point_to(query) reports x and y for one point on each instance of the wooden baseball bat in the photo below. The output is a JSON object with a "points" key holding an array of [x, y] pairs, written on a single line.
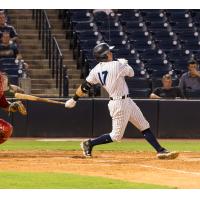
{"points": [[35, 98]]}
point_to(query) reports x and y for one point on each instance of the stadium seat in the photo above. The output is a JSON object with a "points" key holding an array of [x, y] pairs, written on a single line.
{"points": [[161, 35], [180, 65], [146, 37], [13, 79], [133, 26], [153, 16], [113, 35], [187, 35], [140, 45], [156, 26], [128, 17], [83, 16], [139, 87], [165, 45], [177, 55], [191, 45]]}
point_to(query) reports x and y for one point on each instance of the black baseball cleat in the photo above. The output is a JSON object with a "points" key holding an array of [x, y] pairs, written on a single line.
{"points": [[167, 155], [87, 148]]}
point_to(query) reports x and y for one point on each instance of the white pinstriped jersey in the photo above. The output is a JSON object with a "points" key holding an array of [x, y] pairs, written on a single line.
{"points": [[111, 76]]}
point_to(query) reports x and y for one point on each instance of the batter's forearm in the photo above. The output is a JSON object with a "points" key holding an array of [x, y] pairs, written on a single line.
{"points": [[82, 89], [79, 93]]}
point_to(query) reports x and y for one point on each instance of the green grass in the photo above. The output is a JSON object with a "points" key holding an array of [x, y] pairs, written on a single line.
{"points": [[138, 145], [19, 180], [14, 180]]}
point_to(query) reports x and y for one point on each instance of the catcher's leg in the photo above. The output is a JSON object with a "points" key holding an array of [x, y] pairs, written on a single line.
{"points": [[6, 130]]}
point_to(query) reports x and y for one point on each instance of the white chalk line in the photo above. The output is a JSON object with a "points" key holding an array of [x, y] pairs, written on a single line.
{"points": [[166, 169]]}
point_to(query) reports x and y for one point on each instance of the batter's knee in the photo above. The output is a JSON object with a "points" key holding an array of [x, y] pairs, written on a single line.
{"points": [[144, 126], [116, 135]]}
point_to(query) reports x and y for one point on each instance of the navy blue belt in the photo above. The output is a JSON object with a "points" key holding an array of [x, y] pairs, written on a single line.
{"points": [[117, 98]]}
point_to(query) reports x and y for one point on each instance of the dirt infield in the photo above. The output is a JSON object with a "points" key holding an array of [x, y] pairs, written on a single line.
{"points": [[142, 167]]}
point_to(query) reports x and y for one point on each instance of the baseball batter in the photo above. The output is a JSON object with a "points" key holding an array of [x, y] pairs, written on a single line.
{"points": [[111, 75]]}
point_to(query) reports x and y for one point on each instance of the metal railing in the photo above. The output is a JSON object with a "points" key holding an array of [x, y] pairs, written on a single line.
{"points": [[52, 51]]}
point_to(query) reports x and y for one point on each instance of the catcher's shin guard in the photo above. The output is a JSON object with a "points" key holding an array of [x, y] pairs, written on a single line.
{"points": [[6, 130]]}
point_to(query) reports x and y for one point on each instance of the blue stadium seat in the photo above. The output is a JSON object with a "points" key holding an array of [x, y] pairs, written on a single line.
{"points": [[105, 26], [180, 66], [165, 45], [187, 35], [178, 17], [137, 35], [128, 17], [122, 53], [177, 54], [140, 45], [13, 79], [133, 26], [180, 26], [156, 26], [84, 26], [86, 35], [11, 71], [7, 61], [78, 17], [140, 93], [118, 43], [145, 32], [161, 35], [191, 45], [149, 54], [113, 35], [153, 16], [102, 16], [139, 87]]}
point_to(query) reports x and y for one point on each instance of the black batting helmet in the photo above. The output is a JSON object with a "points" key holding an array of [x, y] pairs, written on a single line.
{"points": [[100, 51]]}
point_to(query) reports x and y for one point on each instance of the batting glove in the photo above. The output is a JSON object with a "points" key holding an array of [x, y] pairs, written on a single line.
{"points": [[70, 103], [123, 61]]}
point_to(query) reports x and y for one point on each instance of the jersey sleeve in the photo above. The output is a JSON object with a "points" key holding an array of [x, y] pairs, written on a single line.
{"points": [[91, 78], [126, 70]]}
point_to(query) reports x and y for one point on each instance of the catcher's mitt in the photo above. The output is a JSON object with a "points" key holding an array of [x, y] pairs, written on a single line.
{"points": [[17, 106]]}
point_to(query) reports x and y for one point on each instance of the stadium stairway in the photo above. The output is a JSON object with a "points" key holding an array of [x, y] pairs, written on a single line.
{"points": [[60, 35], [31, 49], [42, 83]]}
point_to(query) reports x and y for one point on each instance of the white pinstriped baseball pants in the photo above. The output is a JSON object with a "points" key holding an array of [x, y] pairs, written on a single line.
{"points": [[122, 111]]}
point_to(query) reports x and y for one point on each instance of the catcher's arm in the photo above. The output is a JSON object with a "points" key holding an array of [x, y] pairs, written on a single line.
{"points": [[82, 89]]}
